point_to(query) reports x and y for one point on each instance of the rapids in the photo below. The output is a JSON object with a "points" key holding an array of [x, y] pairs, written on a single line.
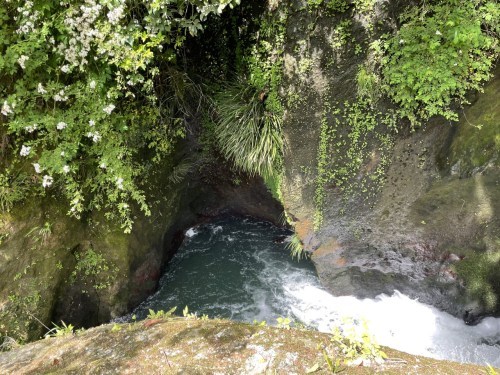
{"points": [[240, 269]]}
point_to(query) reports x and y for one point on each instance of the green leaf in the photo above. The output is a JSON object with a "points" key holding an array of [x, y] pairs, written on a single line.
{"points": [[312, 369]]}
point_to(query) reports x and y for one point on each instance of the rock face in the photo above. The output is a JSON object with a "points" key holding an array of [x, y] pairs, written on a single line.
{"points": [[430, 228], [56, 268], [187, 346]]}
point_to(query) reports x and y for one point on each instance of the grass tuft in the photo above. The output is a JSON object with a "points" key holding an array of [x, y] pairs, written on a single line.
{"points": [[247, 133]]}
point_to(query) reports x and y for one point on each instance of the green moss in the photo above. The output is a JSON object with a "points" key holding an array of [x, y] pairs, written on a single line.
{"points": [[481, 273], [273, 183], [333, 6], [37, 238], [478, 139], [353, 152]]}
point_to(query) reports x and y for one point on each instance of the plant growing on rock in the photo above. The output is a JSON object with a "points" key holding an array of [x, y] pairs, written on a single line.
{"points": [[355, 345], [248, 133], [93, 270], [284, 322], [296, 247], [441, 52], [353, 151], [160, 314], [59, 331], [248, 111], [11, 189]]}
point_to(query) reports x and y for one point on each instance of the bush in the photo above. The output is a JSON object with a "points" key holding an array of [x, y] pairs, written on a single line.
{"points": [[248, 134], [440, 53], [89, 91]]}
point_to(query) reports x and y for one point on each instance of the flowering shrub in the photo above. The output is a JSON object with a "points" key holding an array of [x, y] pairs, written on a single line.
{"points": [[80, 98]]}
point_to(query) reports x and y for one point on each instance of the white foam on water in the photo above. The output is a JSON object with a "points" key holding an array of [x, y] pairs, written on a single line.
{"points": [[217, 229], [271, 286], [396, 321], [191, 232], [399, 322]]}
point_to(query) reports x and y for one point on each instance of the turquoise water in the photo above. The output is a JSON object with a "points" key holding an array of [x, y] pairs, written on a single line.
{"points": [[233, 268]]}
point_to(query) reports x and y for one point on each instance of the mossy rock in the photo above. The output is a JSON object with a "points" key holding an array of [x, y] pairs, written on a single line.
{"points": [[462, 216], [477, 142], [37, 240], [191, 346], [55, 268]]}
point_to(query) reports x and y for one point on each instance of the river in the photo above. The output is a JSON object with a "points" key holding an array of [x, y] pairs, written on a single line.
{"points": [[239, 268]]}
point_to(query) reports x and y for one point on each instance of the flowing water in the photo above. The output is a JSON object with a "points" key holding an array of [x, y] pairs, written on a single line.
{"points": [[240, 269]]}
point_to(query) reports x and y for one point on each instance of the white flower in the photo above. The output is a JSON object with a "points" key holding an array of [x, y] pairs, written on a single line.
{"points": [[21, 60], [109, 109], [438, 32], [47, 181], [65, 68], [61, 97], [61, 125], [31, 128], [119, 183], [25, 150], [6, 110], [41, 89], [66, 169], [115, 15], [91, 123], [401, 41], [96, 137], [37, 167], [92, 84], [103, 165], [63, 153]]}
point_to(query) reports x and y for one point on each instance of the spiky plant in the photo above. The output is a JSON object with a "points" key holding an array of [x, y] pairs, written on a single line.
{"points": [[296, 248], [247, 133]]}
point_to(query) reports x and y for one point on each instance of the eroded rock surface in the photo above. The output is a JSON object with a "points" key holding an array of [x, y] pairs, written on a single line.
{"points": [[187, 346]]}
